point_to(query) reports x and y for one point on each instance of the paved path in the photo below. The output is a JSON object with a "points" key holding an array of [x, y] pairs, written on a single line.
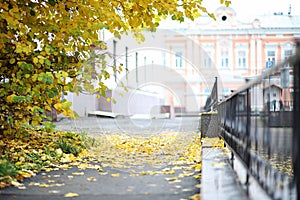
{"points": [[101, 185], [94, 125]]}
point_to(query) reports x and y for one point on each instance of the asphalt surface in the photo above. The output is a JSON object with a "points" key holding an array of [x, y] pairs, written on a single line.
{"points": [[55, 184], [99, 125]]}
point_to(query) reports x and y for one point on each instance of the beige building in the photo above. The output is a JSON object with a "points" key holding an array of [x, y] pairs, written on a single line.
{"points": [[231, 50]]}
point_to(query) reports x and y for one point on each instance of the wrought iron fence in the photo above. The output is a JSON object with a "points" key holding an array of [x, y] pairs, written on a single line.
{"points": [[260, 122]]}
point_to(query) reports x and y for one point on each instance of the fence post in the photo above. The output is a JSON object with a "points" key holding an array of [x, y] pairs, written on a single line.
{"points": [[296, 124], [248, 130]]}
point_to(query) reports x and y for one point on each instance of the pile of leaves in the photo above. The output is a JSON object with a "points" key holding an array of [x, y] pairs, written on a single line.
{"points": [[25, 153], [162, 149]]}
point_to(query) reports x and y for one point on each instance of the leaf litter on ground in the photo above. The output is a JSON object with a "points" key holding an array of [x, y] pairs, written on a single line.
{"points": [[26, 154]]}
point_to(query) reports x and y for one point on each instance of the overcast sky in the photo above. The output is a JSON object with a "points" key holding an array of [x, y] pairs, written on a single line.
{"points": [[246, 8]]}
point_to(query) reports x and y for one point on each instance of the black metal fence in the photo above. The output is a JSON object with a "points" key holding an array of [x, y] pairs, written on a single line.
{"points": [[260, 123]]}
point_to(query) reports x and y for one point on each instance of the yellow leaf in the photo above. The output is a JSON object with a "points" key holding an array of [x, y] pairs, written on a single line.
{"points": [[10, 98], [44, 185], [172, 179], [35, 60], [12, 61], [41, 60], [83, 165], [70, 194], [187, 189], [53, 191], [78, 173], [169, 172], [115, 175], [195, 197], [59, 151], [16, 184], [91, 179], [64, 74], [198, 176], [227, 3], [34, 122]]}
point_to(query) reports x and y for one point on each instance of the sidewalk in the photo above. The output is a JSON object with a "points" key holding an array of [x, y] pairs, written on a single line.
{"points": [[219, 181], [55, 185]]}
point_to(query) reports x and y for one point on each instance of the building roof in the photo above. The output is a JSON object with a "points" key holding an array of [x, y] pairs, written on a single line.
{"points": [[226, 19]]}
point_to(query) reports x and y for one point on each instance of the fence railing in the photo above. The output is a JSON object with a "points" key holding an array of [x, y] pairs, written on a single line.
{"points": [[260, 123], [212, 99]]}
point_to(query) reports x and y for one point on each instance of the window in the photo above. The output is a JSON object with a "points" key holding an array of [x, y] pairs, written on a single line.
{"points": [[241, 59], [226, 92], [207, 63], [271, 56], [164, 59], [207, 91], [287, 53], [225, 59], [224, 53], [270, 59], [178, 60], [207, 53]]}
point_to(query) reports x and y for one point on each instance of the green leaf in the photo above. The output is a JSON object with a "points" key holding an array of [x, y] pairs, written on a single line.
{"points": [[103, 93], [52, 2], [48, 62], [66, 104], [32, 13], [18, 99]]}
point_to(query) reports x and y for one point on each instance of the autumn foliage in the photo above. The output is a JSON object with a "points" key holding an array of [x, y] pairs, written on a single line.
{"points": [[45, 47]]}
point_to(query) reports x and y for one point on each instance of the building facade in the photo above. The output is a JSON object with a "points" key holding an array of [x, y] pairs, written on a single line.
{"points": [[231, 50]]}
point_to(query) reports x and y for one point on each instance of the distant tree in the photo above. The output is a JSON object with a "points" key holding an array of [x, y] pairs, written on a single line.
{"points": [[44, 45]]}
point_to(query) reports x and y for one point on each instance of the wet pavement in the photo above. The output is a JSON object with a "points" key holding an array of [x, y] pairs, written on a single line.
{"points": [[99, 125], [91, 184], [218, 179]]}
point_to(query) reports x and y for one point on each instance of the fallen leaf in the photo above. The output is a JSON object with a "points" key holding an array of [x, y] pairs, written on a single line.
{"points": [[195, 197], [187, 190], [70, 194], [103, 173], [70, 177], [152, 185], [16, 183], [78, 173], [115, 175], [53, 191], [44, 185], [91, 179], [197, 176], [33, 184]]}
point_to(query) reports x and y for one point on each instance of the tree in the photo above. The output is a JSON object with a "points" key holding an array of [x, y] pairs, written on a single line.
{"points": [[45, 44]]}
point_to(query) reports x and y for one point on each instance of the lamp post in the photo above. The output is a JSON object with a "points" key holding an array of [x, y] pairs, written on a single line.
{"points": [[136, 70], [115, 60]]}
